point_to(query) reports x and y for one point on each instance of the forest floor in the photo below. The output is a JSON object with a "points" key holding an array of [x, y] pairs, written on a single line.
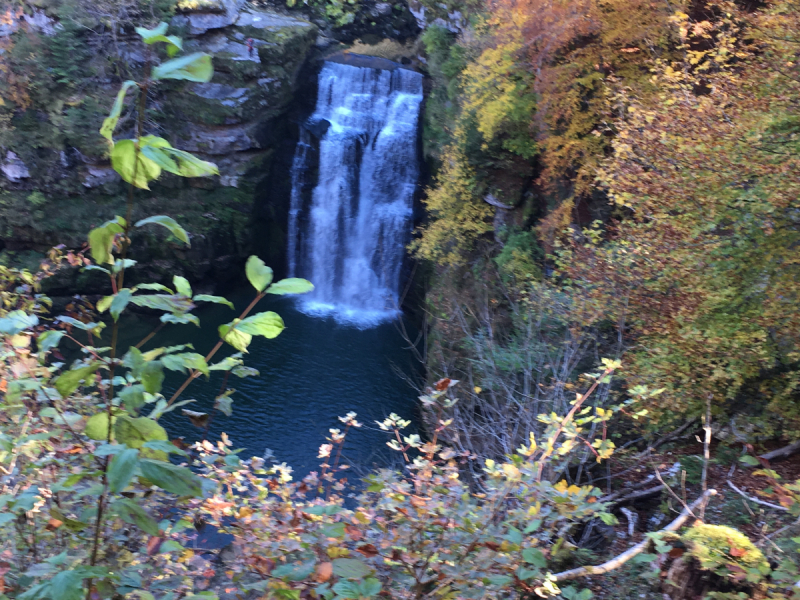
{"points": [[728, 507]]}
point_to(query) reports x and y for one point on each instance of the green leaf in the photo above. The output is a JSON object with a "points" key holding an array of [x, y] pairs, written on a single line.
{"points": [[214, 299], [333, 530], [183, 319], [347, 589], [133, 166], [370, 587], [119, 302], [164, 446], [192, 67], [182, 286], [94, 328], [535, 557], [97, 427], [153, 287], [749, 460], [168, 222], [238, 339], [122, 468], [292, 285], [152, 377], [135, 432], [130, 512], [170, 304], [67, 585], [224, 403], [152, 36], [179, 162], [258, 274], [68, 382], [186, 360], [110, 122], [132, 398], [49, 340], [176, 480], [267, 324], [17, 321], [227, 363], [101, 239], [294, 572], [350, 568]]}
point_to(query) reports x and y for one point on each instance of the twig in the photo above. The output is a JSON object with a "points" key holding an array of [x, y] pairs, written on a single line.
{"points": [[636, 495], [706, 452], [755, 500], [618, 561], [674, 495]]}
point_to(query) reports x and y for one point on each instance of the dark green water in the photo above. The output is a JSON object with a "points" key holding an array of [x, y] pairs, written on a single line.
{"points": [[314, 372]]}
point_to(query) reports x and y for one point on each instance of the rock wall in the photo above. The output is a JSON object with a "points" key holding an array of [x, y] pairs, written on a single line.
{"points": [[55, 179]]}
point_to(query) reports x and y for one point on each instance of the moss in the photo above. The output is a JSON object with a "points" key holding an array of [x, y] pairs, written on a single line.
{"points": [[724, 550]]}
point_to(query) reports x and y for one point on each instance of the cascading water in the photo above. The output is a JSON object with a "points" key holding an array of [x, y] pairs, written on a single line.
{"points": [[349, 237]]}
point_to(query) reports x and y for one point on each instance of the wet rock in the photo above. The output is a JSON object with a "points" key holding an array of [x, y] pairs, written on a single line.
{"points": [[100, 175]]}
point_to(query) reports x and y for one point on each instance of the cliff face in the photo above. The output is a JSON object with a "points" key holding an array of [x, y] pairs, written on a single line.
{"points": [[55, 179]]}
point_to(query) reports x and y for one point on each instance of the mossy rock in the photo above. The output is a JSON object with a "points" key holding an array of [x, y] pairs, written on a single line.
{"points": [[725, 552]]}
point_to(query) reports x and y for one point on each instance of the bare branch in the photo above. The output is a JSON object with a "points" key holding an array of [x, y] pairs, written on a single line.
{"points": [[755, 500], [618, 561]]}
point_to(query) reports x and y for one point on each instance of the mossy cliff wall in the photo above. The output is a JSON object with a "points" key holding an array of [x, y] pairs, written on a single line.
{"points": [[58, 82]]}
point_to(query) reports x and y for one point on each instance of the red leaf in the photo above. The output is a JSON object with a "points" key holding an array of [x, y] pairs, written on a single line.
{"points": [[368, 550]]}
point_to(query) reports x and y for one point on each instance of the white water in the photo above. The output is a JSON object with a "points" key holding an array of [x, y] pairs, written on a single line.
{"points": [[349, 240]]}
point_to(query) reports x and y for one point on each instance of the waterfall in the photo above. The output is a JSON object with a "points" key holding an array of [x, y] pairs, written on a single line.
{"points": [[349, 237]]}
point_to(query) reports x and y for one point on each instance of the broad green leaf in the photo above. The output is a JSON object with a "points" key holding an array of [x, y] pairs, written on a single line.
{"points": [[135, 432], [267, 324], [238, 339], [157, 34], [94, 328], [180, 162], [347, 589], [103, 304], [101, 239], [97, 427], [152, 377], [132, 397], [164, 446], [292, 285], [148, 35], [294, 572], [192, 67], [214, 299], [134, 167], [535, 557], [242, 371], [176, 480], [370, 587], [350, 568], [67, 585], [168, 222], [153, 287], [182, 286], [119, 302], [110, 122], [333, 530], [227, 363], [185, 361], [181, 319], [170, 304], [122, 468], [130, 512], [258, 274], [224, 403], [134, 360], [17, 321], [68, 382]]}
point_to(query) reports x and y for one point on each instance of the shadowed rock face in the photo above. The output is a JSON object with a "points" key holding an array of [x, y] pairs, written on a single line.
{"points": [[53, 194]]}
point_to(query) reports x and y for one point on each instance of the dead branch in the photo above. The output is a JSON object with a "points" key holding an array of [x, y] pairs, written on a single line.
{"points": [[755, 500], [782, 452], [618, 561], [636, 495]]}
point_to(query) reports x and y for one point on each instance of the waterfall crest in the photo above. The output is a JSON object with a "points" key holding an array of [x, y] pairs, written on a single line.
{"points": [[349, 237]]}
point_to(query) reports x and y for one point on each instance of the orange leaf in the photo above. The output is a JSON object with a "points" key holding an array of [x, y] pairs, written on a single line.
{"points": [[442, 384], [737, 552], [324, 571], [53, 524], [354, 532]]}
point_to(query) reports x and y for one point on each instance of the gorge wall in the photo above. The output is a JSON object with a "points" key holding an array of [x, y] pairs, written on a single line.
{"points": [[61, 75]]}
